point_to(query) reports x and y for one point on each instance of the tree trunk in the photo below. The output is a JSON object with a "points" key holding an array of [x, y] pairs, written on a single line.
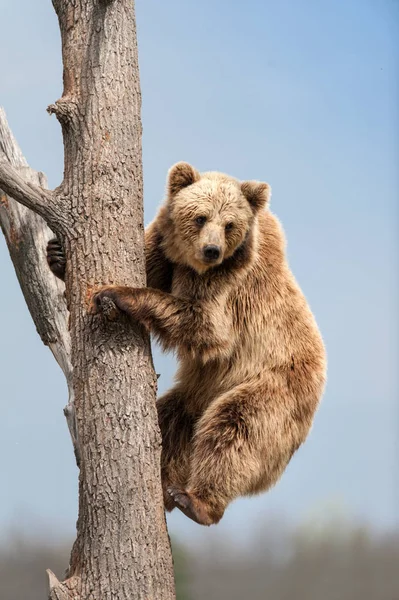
{"points": [[122, 548]]}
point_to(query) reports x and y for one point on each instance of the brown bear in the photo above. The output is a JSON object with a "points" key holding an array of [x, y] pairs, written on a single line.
{"points": [[252, 363]]}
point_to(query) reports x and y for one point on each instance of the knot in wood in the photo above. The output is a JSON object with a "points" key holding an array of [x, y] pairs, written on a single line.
{"points": [[64, 109]]}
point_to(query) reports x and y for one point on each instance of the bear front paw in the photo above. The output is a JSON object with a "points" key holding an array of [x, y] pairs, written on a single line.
{"points": [[56, 258], [107, 301]]}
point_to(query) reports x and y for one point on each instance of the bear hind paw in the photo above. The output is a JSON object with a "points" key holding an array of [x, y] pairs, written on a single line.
{"points": [[194, 508]]}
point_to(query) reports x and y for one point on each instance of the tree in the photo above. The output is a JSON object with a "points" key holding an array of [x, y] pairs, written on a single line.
{"points": [[122, 548]]}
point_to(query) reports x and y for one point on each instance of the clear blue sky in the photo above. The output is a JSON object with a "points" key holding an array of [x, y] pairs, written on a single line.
{"points": [[302, 94]]}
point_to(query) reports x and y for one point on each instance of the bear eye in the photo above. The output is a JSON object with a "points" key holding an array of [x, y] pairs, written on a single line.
{"points": [[229, 226], [200, 220]]}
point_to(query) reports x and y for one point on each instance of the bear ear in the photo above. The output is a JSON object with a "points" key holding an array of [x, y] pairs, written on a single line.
{"points": [[180, 176], [257, 193]]}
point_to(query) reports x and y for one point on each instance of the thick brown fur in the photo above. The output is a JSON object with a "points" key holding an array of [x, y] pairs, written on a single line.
{"points": [[252, 362]]}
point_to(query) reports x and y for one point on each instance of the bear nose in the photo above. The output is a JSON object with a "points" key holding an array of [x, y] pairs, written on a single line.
{"points": [[211, 252]]}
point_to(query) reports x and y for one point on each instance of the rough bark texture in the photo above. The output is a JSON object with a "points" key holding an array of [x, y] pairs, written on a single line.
{"points": [[122, 549]]}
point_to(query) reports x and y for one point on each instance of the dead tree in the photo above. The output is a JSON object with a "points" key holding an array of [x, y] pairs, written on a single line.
{"points": [[122, 549]]}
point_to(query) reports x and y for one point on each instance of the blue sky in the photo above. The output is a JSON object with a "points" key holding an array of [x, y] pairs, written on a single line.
{"points": [[302, 94]]}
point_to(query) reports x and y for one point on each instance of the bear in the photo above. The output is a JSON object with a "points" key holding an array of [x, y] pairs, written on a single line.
{"points": [[252, 363]]}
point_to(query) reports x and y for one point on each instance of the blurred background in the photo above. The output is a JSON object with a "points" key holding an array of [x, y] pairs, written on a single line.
{"points": [[302, 94]]}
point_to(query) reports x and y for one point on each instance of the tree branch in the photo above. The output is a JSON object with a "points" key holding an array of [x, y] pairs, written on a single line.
{"points": [[26, 235], [32, 196]]}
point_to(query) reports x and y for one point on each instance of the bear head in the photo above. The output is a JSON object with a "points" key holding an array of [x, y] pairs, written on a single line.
{"points": [[209, 215]]}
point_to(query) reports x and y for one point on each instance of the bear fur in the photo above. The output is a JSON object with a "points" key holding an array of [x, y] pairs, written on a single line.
{"points": [[252, 363]]}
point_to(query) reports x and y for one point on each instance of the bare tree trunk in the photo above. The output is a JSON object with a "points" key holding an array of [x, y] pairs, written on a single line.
{"points": [[122, 548]]}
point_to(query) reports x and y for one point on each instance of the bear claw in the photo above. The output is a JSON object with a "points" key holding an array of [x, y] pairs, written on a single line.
{"points": [[190, 506], [56, 258], [179, 497], [104, 301]]}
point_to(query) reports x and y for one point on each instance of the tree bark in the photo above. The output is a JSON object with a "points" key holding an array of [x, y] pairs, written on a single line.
{"points": [[26, 234], [122, 549]]}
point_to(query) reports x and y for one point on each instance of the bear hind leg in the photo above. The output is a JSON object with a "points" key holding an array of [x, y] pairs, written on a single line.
{"points": [[241, 445], [226, 456], [176, 427]]}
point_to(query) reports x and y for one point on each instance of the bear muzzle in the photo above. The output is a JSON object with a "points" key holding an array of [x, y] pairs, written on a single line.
{"points": [[211, 253]]}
